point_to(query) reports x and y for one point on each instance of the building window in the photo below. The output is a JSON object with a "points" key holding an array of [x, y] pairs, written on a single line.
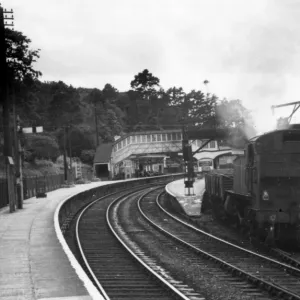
{"points": [[133, 139], [164, 137], [119, 146], [124, 143], [206, 146], [153, 137], [169, 136], [174, 138], [199, 143], [212, 144], [138, 137], [178, 136], [144, 138], [159, 137], [148, 138]]}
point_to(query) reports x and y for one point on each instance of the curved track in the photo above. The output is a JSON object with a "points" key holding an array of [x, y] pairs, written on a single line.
{"points": [[116, 271], [277, 278]]}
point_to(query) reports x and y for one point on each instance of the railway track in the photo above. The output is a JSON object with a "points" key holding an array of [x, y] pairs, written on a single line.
{"points": [[277, 278], [289, 258], [115, 269]]}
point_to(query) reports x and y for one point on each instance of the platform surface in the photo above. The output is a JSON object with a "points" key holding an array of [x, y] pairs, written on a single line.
{"points": [[33, 264], [190, 204]]}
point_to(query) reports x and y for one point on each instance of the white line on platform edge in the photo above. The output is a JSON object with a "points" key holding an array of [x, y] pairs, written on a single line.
{"points": [[93, 292]]}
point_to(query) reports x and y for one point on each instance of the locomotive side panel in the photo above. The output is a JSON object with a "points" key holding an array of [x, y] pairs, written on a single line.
{"points": [[239, 181]]}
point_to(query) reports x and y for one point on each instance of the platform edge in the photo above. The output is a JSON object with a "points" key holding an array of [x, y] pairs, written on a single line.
{"points": [[91, 289]]}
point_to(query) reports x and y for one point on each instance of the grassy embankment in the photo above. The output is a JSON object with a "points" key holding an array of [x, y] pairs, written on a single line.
{"points": [[42, 167]]}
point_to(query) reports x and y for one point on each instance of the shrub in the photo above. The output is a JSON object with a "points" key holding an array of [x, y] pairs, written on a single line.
{"points": [[40, 146], [87, 156]]}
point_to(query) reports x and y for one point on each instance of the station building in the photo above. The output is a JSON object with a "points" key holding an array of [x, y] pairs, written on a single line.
{"points": [[149, 151], [153, 152]]}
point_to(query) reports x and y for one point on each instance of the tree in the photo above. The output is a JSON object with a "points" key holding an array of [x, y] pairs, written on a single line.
{"points": [[81, 137], [95, 97], [145, 83], [41, 146], [109, 93], [20, 57], [194, 108], [65, 105], [87, 156], [201, 109], [176, 96], [233, 115], [19, 60], [107, 114]]}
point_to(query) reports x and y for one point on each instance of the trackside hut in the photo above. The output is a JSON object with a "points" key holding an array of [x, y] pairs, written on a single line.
{"points": [[102, 161]]}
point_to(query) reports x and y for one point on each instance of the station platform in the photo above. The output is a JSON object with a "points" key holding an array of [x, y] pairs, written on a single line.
{"points": [[190, 204], [33, 264]]}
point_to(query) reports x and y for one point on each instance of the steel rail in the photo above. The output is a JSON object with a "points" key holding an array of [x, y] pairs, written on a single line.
{"points": [[235, 270], [160, 278]]}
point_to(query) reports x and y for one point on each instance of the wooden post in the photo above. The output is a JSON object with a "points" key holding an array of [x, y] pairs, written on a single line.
{"points": [[70, 151], [96, 125], [65, 154], [6, 115], [18, 159]]}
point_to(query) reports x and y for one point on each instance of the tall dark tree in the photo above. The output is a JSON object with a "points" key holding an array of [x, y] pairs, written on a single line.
{"points": [[20, 57], [109, 93], [146, 86], [145, 83], [65, 105], [108, 116]]}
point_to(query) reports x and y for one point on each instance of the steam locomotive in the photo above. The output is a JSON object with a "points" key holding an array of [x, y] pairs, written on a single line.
{"points": [[261, 192]]}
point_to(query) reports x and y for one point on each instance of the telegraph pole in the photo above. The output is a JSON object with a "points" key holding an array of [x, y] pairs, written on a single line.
{"points": [[96, 124], [70, 151], [65, 153], [6, 108], [18, 155]]}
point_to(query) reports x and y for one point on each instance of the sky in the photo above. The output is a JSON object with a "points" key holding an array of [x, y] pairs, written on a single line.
{"points": [[247, 50]]}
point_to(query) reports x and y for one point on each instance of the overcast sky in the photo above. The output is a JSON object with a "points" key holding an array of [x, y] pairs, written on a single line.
{"points": [[248, 50]]}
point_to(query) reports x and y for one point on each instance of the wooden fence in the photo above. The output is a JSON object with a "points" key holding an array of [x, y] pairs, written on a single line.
{"points": [[52, 182]]}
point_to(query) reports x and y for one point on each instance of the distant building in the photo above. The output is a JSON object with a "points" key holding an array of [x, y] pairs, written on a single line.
{"points": [[138, 153], [102, 161]]}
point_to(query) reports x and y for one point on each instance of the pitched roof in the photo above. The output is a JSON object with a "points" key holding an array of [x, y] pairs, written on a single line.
{"points": [[103, 153]]}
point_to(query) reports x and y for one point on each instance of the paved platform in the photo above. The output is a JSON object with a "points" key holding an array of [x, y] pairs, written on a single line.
{"points": [[190, 204], [33, 264]]}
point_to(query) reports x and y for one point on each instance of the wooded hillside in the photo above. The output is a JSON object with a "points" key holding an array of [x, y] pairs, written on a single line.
{"points": [[94, 116]]}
